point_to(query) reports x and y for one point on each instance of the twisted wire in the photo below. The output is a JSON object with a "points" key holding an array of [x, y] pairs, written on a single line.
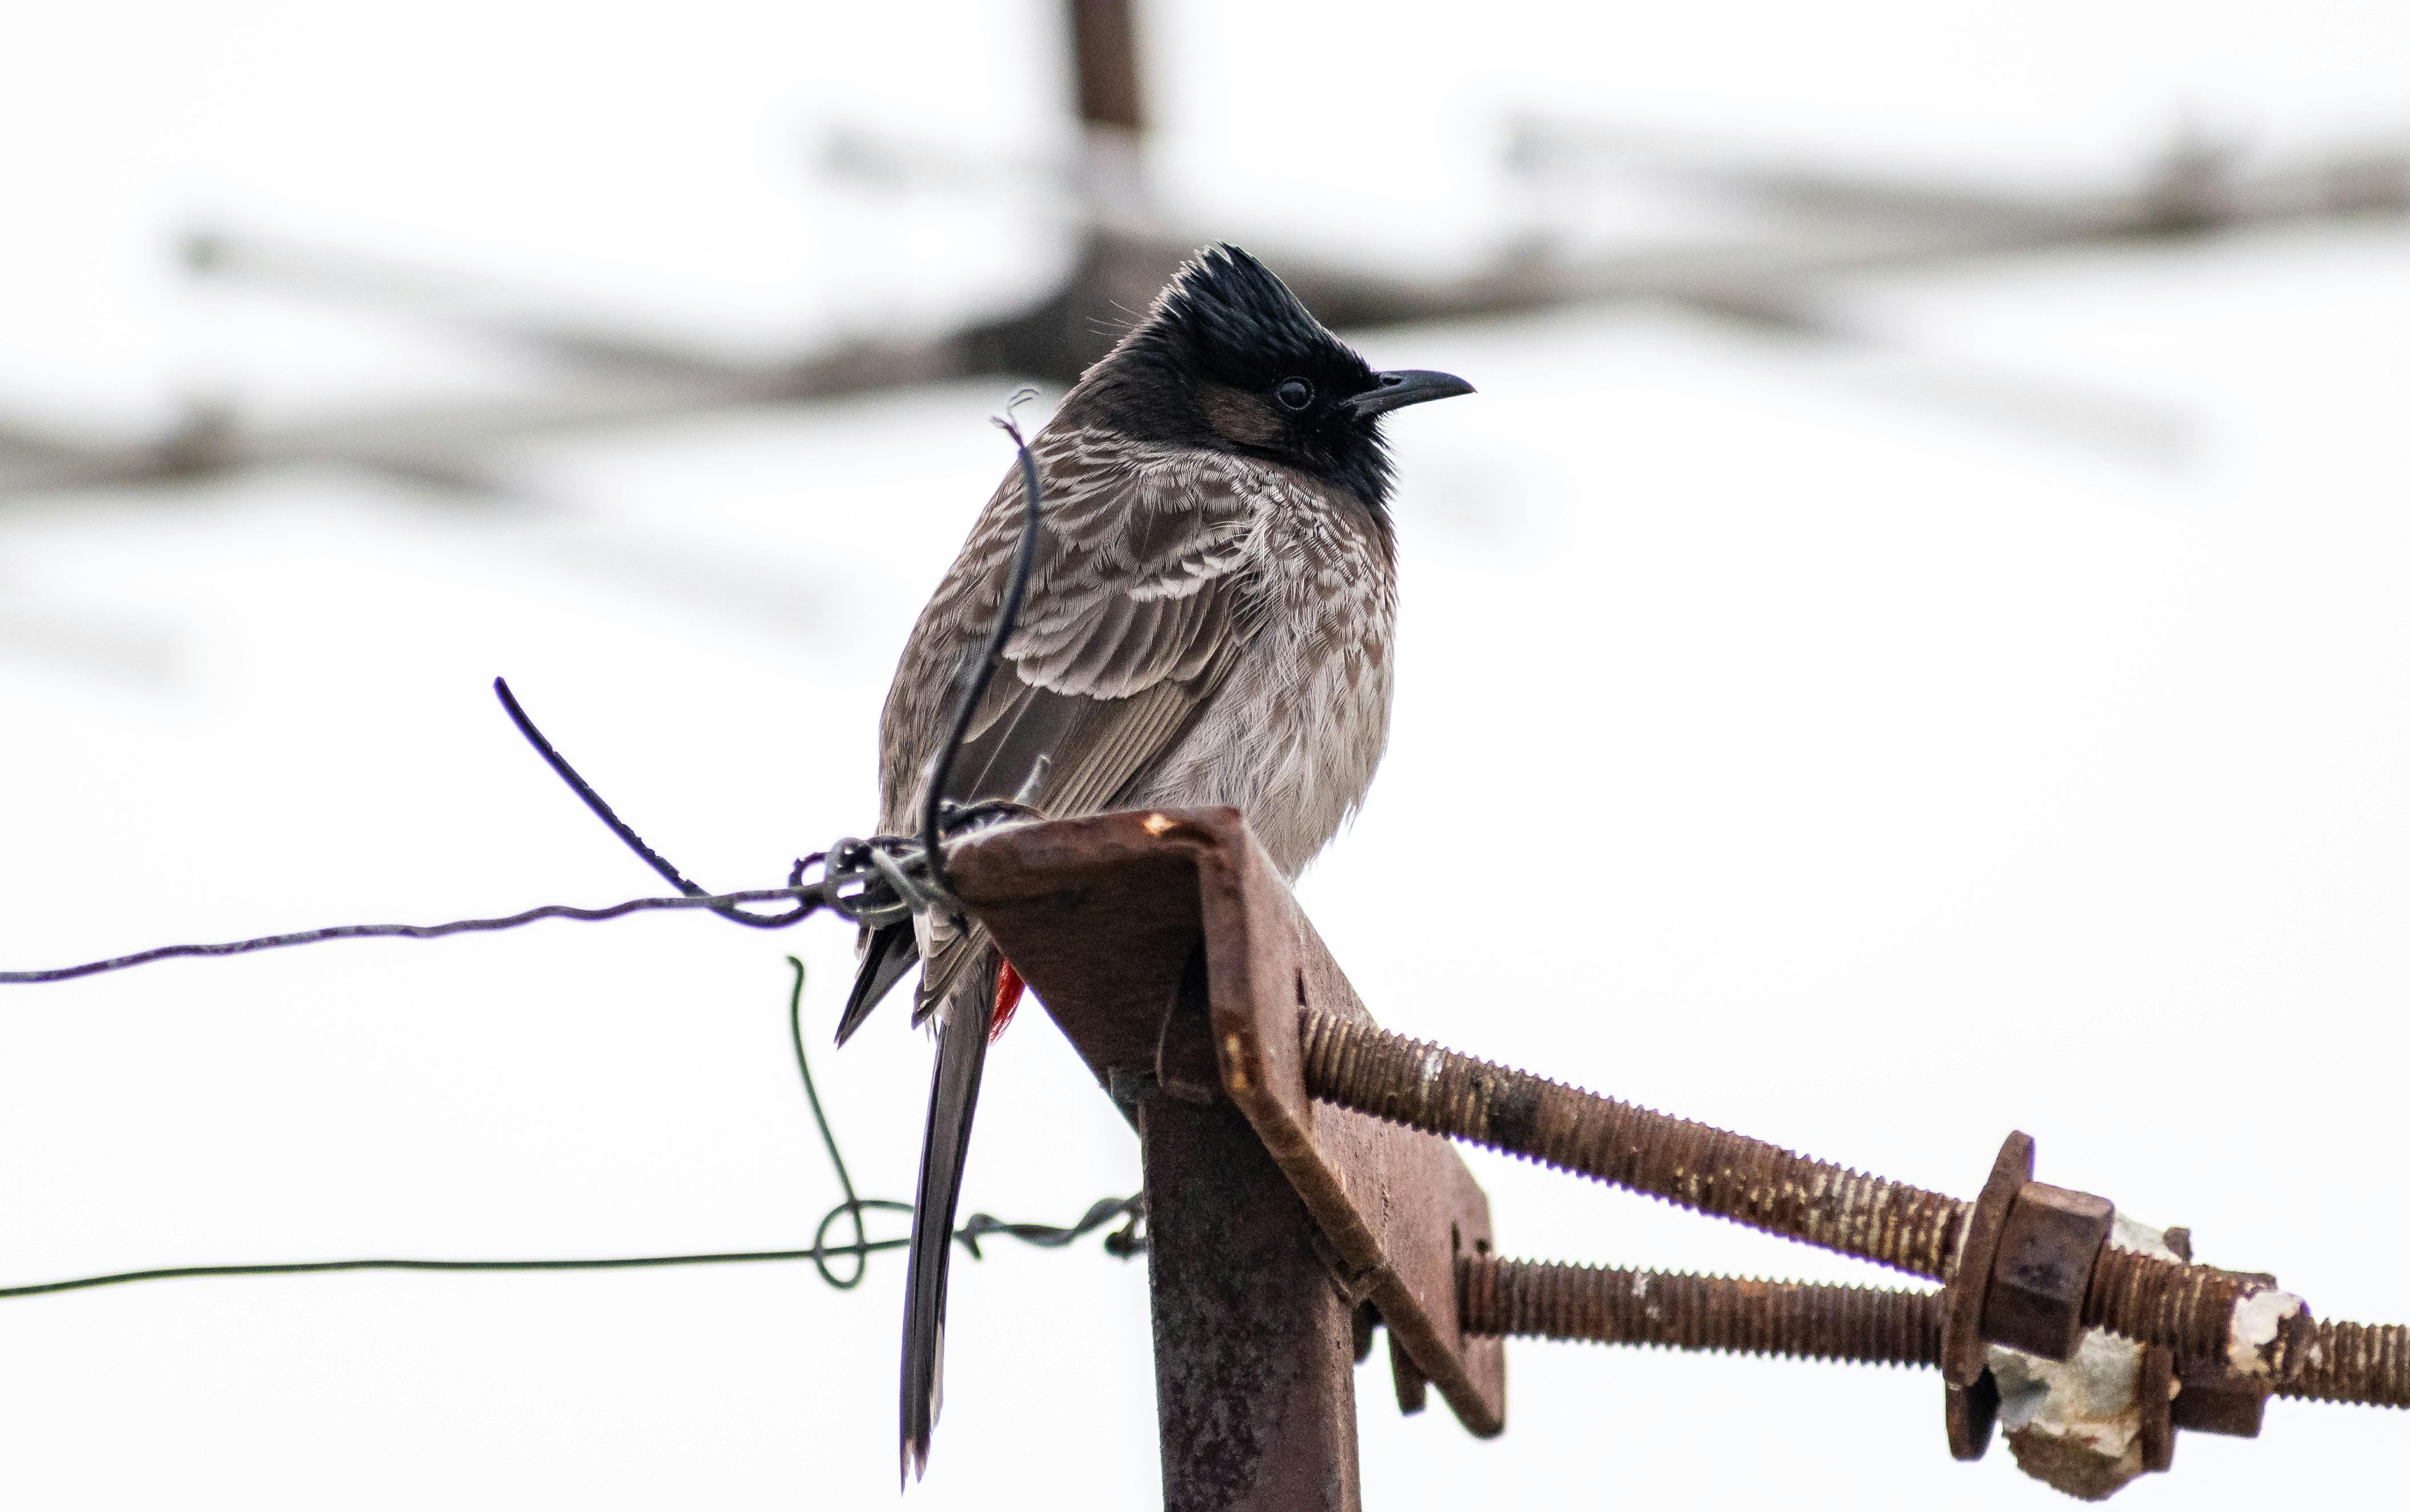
{"points": [[865, 881]]}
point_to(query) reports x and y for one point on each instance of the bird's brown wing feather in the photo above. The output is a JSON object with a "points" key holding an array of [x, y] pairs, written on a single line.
{"points": [[1140, 600]]}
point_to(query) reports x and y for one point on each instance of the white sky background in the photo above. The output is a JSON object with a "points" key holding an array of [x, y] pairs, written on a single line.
{"points": [[1938, 775]]}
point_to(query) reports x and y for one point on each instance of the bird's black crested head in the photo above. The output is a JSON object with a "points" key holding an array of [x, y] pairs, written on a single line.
{"points": [[1229, 359], [1235, 318]]}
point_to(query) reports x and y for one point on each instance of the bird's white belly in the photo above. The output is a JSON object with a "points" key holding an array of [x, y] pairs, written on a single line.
{"points": [[1293, 737]]}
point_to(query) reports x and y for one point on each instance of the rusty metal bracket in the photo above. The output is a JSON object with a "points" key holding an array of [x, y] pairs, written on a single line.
{"points": [[1172, 955], [1297, 1156]]}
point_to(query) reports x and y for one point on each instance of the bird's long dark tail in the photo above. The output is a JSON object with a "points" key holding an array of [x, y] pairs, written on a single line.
{"points": [[953, 1099]]}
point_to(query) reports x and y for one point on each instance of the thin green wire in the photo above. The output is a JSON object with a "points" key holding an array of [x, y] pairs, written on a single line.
{"points": [[863, 1247], [852, 1205]]}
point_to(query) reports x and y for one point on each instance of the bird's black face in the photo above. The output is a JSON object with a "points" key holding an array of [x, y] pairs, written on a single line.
{"points": [[1229, 358]]}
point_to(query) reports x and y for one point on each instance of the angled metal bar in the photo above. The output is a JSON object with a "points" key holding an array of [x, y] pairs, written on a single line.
{"points": [[1175, 960]]}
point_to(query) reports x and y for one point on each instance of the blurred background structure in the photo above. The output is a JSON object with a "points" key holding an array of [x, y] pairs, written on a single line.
{"points": [[1957, 456]]}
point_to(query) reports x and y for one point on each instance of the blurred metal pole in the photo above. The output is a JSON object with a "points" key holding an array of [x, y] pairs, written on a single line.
{"points": [[1828, 225], [1104, 55], [1107, 77]]}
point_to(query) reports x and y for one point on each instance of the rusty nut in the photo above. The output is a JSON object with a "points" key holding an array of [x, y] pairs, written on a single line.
{"points": [[2154, 1392], [2211, 1398], [2047, 1245]]}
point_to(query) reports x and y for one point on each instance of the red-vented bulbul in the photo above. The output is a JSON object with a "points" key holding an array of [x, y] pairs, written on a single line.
{"points": [[1208, 622]]}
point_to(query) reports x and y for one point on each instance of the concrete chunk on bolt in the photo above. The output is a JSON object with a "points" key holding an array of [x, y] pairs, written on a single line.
{"points": [[2077, 1426]]}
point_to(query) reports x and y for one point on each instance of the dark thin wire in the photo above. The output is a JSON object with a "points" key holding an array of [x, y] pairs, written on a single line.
{"points": [[807, 899], [1007, 615], [882, 869], [1130, 1239], [620, 827], [879, 862], [578, 785]]}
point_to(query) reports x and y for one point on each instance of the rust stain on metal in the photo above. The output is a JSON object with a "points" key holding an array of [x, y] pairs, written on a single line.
{"points": [[1234, 1063]]}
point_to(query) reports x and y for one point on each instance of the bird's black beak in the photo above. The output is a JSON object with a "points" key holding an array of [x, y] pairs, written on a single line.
{"points": [[1410, 385]]}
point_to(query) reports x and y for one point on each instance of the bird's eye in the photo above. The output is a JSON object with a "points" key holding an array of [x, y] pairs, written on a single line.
{"points": [[1294, 393]]}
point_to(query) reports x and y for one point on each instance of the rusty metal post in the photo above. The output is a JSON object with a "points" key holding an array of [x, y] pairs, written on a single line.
{"points": [[1255, 1354], [1174, 959]]}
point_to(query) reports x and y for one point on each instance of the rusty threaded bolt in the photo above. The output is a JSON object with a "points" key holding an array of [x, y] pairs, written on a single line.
{"points": [[2366, 1362], [1359, 1065], [1605, 1305], [2346, 1362], [2200, 1312]]}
